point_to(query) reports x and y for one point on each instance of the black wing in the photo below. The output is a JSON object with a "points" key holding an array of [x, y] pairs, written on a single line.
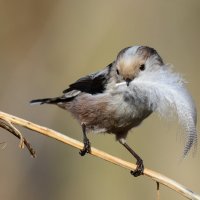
{"points": [[93, 83]]}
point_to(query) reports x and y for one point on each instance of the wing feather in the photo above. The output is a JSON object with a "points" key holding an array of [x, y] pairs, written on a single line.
{"points": [[94, 83]]}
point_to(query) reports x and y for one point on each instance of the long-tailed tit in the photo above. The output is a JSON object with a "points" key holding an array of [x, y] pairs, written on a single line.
{"points": [[119, 97]]}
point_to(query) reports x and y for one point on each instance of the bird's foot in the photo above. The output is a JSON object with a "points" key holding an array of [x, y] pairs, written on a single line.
{"points": [[86, 147], [139, 169]]}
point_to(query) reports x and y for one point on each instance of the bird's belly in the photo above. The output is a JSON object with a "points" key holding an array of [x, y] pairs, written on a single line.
{"points": [[105, 113]]}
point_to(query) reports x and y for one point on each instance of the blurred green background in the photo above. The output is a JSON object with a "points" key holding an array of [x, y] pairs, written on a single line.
{"points": [[47, 44]]}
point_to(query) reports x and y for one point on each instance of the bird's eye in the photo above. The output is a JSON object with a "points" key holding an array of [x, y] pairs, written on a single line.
{"points": [[142, 67], [117, 72]]}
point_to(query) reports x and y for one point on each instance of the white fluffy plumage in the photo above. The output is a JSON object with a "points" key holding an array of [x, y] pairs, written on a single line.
{"points": [[167, 95]]}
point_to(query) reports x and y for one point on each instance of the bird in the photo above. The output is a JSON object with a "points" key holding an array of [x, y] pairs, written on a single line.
{"points": [[119, 97]]}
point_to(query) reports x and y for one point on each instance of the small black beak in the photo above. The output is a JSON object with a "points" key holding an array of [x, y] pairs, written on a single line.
{"points": [[128, 80]]}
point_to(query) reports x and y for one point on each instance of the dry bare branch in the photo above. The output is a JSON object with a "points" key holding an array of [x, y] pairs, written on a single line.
{"points": [[8, 121]]}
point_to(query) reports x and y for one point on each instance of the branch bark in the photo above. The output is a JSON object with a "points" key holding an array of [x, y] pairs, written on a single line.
{"points": [[7, 121]]}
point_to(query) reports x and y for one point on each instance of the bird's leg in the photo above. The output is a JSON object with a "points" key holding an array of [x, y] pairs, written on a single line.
{"points": [[86, 142], [139, 162]]}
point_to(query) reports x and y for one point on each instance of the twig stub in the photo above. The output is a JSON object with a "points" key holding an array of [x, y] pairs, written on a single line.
{"points": [[6, 124]]}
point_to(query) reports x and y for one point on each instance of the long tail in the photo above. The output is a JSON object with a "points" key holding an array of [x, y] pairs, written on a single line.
{"points": [[47, 101]]}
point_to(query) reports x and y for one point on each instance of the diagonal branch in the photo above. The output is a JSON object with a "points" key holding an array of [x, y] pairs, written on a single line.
{"points": [[159, 178]]}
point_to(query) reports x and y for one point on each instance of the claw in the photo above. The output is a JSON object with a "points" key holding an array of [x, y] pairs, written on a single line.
{"points": [[86, 147], [140, 166], [139, 169], [86, 142]]}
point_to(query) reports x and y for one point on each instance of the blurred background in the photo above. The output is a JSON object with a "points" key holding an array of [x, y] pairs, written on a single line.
{"points": [[47, 44]]}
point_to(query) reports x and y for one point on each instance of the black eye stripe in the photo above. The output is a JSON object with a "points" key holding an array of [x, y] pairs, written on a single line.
{"points": [[142, 67]]}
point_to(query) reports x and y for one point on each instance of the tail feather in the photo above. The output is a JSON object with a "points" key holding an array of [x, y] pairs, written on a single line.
{"points": [[46, 101], [168, 96]]}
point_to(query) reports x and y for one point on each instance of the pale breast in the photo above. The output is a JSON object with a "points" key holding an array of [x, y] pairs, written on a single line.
{"points": [[106, 112]]}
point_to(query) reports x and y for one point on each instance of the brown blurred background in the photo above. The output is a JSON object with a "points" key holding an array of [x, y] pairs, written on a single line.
{"points": [[47, 44]]}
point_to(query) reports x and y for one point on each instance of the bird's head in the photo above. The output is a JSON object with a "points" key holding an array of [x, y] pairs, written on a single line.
{"points": [[134, 60]]}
